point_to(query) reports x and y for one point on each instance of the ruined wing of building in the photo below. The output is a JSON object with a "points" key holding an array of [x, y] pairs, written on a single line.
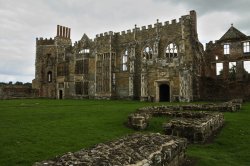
{"points": [[160, 62]]}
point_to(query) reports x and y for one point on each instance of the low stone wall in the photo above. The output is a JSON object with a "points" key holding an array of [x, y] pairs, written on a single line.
{"points": [[230, 106], [17, 91], [196, 126], [196, 130], [134, 150]]}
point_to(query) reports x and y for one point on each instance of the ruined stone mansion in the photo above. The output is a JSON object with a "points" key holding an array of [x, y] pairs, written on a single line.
{"points": [[160, 62]]}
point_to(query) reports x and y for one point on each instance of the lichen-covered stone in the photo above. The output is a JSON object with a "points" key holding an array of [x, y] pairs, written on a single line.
{"points": [[197, 126], [134, 150], [196, 130]]}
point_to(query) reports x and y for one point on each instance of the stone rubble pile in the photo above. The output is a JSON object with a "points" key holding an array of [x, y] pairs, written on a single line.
{"points": [[134, 150]]}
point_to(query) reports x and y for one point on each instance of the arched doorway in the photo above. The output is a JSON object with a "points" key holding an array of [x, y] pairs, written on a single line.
{"points": [[60, 94], [164, 92]]}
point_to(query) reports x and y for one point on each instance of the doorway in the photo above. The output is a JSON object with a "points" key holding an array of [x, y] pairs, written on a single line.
{"points": [[164, 92], [60, 94]]}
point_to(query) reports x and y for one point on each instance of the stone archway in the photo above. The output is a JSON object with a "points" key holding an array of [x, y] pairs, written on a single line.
{"points": [[164, 92]]}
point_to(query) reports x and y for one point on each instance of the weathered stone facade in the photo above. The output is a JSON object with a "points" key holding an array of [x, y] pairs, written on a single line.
{"points": [[134, 150], [227, 68], [162, 62]]}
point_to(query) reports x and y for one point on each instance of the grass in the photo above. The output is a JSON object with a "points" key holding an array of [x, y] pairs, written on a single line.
{"points": [[39, 129]]}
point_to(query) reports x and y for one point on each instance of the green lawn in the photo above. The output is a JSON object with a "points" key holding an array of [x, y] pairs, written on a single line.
{"points": [[39, 129]]}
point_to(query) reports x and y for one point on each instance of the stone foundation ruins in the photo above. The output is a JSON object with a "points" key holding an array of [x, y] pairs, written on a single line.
{"points": [[134, 150], [196, 122]]}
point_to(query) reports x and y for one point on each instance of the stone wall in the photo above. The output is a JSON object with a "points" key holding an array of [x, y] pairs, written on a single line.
{"points": [[197, 129], [17, 91], [196, 122], [133, 150], [220, 89]]}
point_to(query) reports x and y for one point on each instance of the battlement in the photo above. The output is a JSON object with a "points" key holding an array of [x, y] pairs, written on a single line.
{"points": [[46, 41], [63, 32], [158, 24]]}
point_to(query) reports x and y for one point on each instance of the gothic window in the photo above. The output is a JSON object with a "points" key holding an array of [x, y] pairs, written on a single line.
{"points": [[171, 51], [49, 75], [226, 49], [125, 61], [246, 47], [147, 53]]}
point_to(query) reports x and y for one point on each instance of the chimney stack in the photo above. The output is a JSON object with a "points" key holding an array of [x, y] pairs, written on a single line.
{"points": [[63, 32]]}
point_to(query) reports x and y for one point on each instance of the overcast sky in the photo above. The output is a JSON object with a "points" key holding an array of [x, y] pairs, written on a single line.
{"points": [[21, 21]]}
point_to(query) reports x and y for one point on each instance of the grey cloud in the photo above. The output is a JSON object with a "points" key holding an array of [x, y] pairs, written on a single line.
{"points": [[21, 21]]}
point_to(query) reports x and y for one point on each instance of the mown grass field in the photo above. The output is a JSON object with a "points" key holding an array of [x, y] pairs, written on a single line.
{"points": [[39, 129]]}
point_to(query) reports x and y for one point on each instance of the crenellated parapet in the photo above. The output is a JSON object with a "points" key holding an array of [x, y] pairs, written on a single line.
{"points": [[155, 27], [45, 41]]}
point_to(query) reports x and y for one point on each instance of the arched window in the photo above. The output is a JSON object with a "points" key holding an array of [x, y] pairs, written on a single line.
{"points": [[147, 53], [171, 51], [125, 61], [49, 75]]}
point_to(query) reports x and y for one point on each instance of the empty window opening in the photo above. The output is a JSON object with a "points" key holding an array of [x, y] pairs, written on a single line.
{"points": [[49, 76], [219, 68], [247, 66], [226, 49], [171, 51], [232, 66], [147, 53], [246, 47], [232, 70], [84, 51], [125, 61]]}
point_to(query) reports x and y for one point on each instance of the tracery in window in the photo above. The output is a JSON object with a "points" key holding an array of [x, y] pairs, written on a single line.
{"points": [[147, 53], [171, 51]]}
